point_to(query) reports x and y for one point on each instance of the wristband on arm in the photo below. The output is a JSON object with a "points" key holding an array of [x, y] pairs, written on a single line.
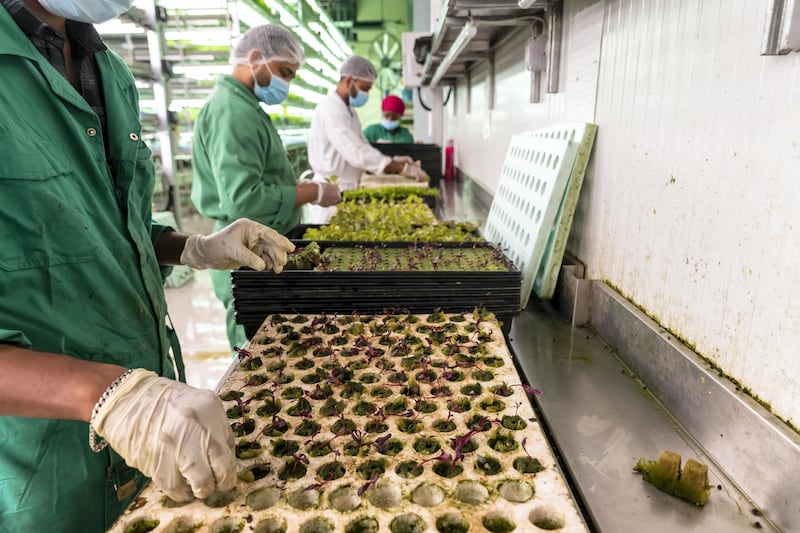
{"points": [[320, 192]]}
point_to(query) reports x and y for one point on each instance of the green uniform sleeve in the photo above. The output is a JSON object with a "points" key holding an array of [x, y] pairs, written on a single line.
{"points": [[372, 133], [235, 146], [156, 231], [376, 132], [17, 338], [404, 136]]}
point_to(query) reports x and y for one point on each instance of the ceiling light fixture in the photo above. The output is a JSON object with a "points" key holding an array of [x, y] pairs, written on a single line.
{"points": [[467, 33]]}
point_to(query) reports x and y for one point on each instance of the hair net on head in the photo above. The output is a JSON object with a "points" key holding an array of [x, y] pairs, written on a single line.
{"points": [[274, 42], [359, 68]]}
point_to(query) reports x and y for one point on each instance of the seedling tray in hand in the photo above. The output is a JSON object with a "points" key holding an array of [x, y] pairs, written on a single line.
{"points": [[257, 294]]}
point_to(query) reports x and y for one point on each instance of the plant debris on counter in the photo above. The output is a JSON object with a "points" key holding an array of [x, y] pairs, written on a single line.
{"points": [[365, 423], [690, 484]]}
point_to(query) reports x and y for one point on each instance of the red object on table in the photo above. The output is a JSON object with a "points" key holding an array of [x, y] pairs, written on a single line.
{"points": [[449, 160]]}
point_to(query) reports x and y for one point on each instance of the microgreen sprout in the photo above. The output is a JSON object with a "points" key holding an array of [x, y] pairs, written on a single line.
{"points": [[242, 406], [242, 353], [330, 476], [277, 424], [380, 442], [368, 484], [443, 457], [358, 437], [298, 459], [458, 444], [530, 391]]}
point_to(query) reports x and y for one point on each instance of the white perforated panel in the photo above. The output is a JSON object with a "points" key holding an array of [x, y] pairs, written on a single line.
{"points": [[583, 134], [525, 205]]}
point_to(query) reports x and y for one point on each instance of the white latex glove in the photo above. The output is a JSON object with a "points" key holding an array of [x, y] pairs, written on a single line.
{"points": [[243, 243], [328, 194], [173, 433], [404, 159], [415, 171]]}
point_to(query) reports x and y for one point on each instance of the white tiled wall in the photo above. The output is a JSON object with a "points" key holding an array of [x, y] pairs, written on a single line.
{"points": [[691, 204]]}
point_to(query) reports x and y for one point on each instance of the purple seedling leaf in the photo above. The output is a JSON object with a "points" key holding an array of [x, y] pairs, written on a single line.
{"points": [[242, 353]]}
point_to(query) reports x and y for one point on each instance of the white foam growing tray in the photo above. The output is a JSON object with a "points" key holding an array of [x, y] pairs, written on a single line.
{"points": [[374, 349], [525, 207], [582, 133]]}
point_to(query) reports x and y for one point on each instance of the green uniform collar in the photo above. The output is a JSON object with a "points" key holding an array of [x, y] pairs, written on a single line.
{"points": [[229, 83], [13, 40]]}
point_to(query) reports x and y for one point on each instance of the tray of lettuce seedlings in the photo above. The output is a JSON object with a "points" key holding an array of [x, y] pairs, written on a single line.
{"points": [[393, 194], [406, 220]]}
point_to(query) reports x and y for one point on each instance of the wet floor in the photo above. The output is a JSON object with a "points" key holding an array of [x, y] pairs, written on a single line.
{"points": [[199, 319]]}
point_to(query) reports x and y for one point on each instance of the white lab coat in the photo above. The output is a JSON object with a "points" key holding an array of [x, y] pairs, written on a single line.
{"points": [[337, 147]]}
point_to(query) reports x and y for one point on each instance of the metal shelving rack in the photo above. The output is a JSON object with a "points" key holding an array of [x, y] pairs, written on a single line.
{"points": [[177, 48]]}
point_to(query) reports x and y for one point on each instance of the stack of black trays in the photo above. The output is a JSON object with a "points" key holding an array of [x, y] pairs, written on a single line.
{"points": [[258, 294], [429, 156]]}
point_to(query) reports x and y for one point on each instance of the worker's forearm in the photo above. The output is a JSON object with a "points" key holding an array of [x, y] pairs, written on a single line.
{"points": [[46, 385], [306, 194], [169, 248], [395, 167]]}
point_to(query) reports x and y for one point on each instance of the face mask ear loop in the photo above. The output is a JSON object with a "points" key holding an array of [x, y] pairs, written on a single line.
{"points": [[253, 73], [252, 66]]}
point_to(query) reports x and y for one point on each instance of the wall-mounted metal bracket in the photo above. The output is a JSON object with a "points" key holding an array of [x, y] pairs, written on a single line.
{"points": [[782, 32], [554, 16]]}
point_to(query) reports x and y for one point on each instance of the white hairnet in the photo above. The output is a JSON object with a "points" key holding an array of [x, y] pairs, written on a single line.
{"points": [[359, 68], [274, 42]]}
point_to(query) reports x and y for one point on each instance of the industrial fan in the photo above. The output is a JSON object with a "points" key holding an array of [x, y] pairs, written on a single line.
{"points": [[385, 53]]}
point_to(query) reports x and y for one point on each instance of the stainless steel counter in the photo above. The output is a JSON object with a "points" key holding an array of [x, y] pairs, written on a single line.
{"points": [[602, 419]]}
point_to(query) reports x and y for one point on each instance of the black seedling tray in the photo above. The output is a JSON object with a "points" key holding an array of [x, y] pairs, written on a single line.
{"points": [[429, 156], [258, 294]]}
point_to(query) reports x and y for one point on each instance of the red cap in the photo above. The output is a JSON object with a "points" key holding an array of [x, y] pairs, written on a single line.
{"points": [[394, 104]]}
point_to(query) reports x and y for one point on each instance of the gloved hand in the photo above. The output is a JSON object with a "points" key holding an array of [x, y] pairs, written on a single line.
{"points": [[328, 194], [414, 170], [173, 433], [243, 243]]}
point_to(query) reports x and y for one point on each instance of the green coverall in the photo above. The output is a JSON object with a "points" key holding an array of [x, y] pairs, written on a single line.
{"points": [[377, 133], [78, 273], [241, 170]]}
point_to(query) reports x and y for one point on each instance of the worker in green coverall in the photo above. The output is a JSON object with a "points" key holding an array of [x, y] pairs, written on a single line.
{"points": [[85, 355], [240, 164], [389, 129]]}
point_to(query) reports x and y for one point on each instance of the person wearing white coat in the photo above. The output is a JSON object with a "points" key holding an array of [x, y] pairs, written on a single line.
{"points": [[336, 143]]}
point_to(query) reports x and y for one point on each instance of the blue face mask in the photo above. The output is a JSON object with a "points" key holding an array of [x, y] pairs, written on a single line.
{"points": [[359, 99], [276, 92], [390, 124], [89, 11]]}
